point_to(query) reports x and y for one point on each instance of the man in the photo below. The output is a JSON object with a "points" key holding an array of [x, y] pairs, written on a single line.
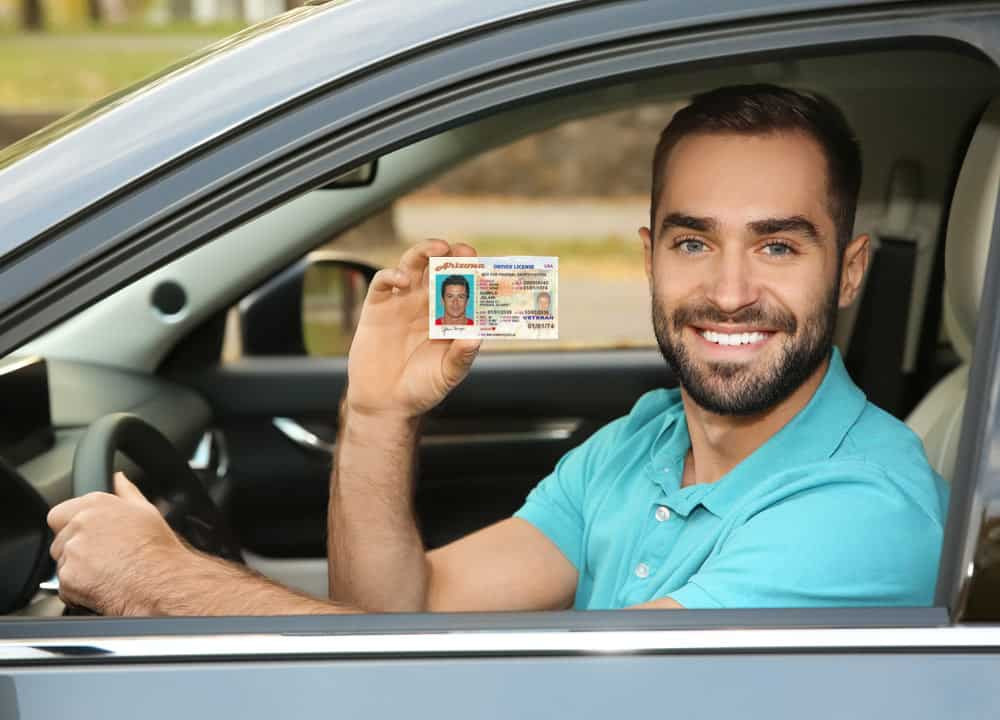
{"points": [[454, 298], [543, 303], [765, 480]]}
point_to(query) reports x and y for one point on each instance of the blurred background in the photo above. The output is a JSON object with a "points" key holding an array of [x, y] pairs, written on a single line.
{"points": [[578, 191], [60, 55]]}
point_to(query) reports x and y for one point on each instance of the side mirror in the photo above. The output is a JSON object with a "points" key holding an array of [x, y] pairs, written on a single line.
{"points": [[312, 308], [24, 547], [332, 296]]}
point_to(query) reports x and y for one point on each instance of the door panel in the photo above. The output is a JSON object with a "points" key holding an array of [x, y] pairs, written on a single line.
{"points": [[482, 450]]}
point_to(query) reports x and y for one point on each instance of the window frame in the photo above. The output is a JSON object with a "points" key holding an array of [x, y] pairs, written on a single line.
{"points": [[311, 141]]}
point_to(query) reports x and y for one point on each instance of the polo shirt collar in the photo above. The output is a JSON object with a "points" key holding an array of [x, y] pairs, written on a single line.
{"points": [[665, 463], [813, 434]]}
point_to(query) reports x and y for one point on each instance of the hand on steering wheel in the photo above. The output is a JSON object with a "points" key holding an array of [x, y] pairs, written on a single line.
{"points": [[111, 547]]}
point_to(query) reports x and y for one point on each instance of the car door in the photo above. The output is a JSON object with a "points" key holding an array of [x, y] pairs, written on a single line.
{"points": [[481, 451], [282, 371], [782, 663]]}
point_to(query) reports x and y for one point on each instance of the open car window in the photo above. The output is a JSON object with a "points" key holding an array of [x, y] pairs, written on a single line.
{"points": [[488, 448]]}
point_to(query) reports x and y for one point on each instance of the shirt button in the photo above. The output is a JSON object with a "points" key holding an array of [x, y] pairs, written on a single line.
{"points": [[662, 513], [642, 571]]}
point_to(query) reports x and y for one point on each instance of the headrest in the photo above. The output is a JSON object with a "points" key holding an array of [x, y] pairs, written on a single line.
{"points": [[970, 227]]}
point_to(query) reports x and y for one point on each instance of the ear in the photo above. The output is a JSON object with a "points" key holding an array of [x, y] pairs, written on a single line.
{"points": [[852, 271], [647, 251]]}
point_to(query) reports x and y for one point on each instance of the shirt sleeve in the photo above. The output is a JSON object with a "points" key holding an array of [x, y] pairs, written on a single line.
{"points": [[556, 505], [859, 541]]}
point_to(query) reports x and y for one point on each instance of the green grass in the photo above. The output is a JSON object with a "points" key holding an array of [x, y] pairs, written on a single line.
{"points": [[211, 30], [65, 70]]}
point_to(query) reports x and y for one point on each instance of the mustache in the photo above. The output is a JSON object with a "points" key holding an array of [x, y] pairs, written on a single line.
{"points": [[753, 315]]}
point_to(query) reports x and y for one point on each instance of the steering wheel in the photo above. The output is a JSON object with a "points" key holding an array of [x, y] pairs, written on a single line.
{"points": [[167, 481]]}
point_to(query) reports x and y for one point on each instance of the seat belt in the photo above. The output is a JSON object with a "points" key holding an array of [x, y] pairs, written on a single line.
{"points": [[878, 341], [885, 337]]}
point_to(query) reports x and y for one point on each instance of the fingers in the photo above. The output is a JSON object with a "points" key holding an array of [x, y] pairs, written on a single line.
{"points": [[61, 514], [413, 266], [56, 548], [388, 279], [458, 359], [126, 490], [463, 250], [414, 260]]}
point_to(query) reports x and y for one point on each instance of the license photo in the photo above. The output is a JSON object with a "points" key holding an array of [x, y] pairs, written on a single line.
{"points": [[502, 298]]}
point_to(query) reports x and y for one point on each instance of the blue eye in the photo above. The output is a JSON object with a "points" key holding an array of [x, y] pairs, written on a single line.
{"points": [[690, 246], [778, 249]]}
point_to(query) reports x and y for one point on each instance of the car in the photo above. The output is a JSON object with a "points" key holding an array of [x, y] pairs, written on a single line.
{"points": [[158, 274]]}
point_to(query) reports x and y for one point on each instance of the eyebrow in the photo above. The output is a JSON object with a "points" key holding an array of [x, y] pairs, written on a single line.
{"points": [[690, 222], [794, 224], [768, 226]]}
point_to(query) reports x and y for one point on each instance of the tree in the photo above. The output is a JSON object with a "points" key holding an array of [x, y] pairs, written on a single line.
{"points": [[32, 17]]}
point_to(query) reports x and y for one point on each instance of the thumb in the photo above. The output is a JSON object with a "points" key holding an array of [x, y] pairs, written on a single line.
{"points": [[128, 491], [458, 360]]}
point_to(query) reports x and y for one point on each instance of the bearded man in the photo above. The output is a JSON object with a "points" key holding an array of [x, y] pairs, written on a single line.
{"points": [[765, 480]]}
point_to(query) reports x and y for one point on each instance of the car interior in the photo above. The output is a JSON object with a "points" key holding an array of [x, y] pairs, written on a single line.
{"points": [[257, 430]]}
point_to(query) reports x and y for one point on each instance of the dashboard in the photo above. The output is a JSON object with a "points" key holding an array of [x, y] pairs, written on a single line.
{"points": [[80, 393], [49, 405]]}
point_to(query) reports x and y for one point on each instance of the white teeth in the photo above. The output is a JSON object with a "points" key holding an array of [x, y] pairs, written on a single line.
{"points": [[733, 338]]}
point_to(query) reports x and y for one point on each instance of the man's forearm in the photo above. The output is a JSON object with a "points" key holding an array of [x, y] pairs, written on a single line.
{"points": [[376, 556], [204, 585]]}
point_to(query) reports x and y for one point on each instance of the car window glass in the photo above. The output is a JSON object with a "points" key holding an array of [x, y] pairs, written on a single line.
{"points": [[578, 191]]}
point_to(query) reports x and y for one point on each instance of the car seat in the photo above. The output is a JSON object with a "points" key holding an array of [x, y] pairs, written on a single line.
{"points": [[937, 418]]}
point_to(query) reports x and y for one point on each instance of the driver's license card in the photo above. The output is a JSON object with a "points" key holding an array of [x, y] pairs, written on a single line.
{"points": [[513, 298]]}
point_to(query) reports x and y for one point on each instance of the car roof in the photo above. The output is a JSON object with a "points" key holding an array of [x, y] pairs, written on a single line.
{"points": [[87, 156]]}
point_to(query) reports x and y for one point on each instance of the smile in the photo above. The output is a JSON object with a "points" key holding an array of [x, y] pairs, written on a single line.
{"points": [[733, 339]]}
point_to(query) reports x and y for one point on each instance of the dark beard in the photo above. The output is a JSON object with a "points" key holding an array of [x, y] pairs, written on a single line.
{"points": [[734, 388]]}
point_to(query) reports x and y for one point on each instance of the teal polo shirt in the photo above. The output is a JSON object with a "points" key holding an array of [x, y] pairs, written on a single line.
{"points": [[839, 507]]}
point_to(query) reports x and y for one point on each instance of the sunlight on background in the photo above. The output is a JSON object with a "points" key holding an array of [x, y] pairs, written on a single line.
{"points": [[55, 57]]}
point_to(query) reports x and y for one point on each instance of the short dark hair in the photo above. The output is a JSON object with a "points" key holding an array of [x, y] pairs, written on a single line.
{"points": [[763, 109], [455, 280]]}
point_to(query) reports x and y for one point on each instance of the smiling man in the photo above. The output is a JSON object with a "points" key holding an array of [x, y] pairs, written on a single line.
{"points": [[765, 480]]}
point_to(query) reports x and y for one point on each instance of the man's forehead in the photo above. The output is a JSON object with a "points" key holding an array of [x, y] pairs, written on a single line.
{"points": [[736, 178]]}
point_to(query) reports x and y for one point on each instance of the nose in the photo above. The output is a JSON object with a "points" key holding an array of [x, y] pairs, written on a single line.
{"points": [[731, 285]]}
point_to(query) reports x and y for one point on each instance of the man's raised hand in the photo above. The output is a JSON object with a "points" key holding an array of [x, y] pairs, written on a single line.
{"points": [[394, 370]]}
